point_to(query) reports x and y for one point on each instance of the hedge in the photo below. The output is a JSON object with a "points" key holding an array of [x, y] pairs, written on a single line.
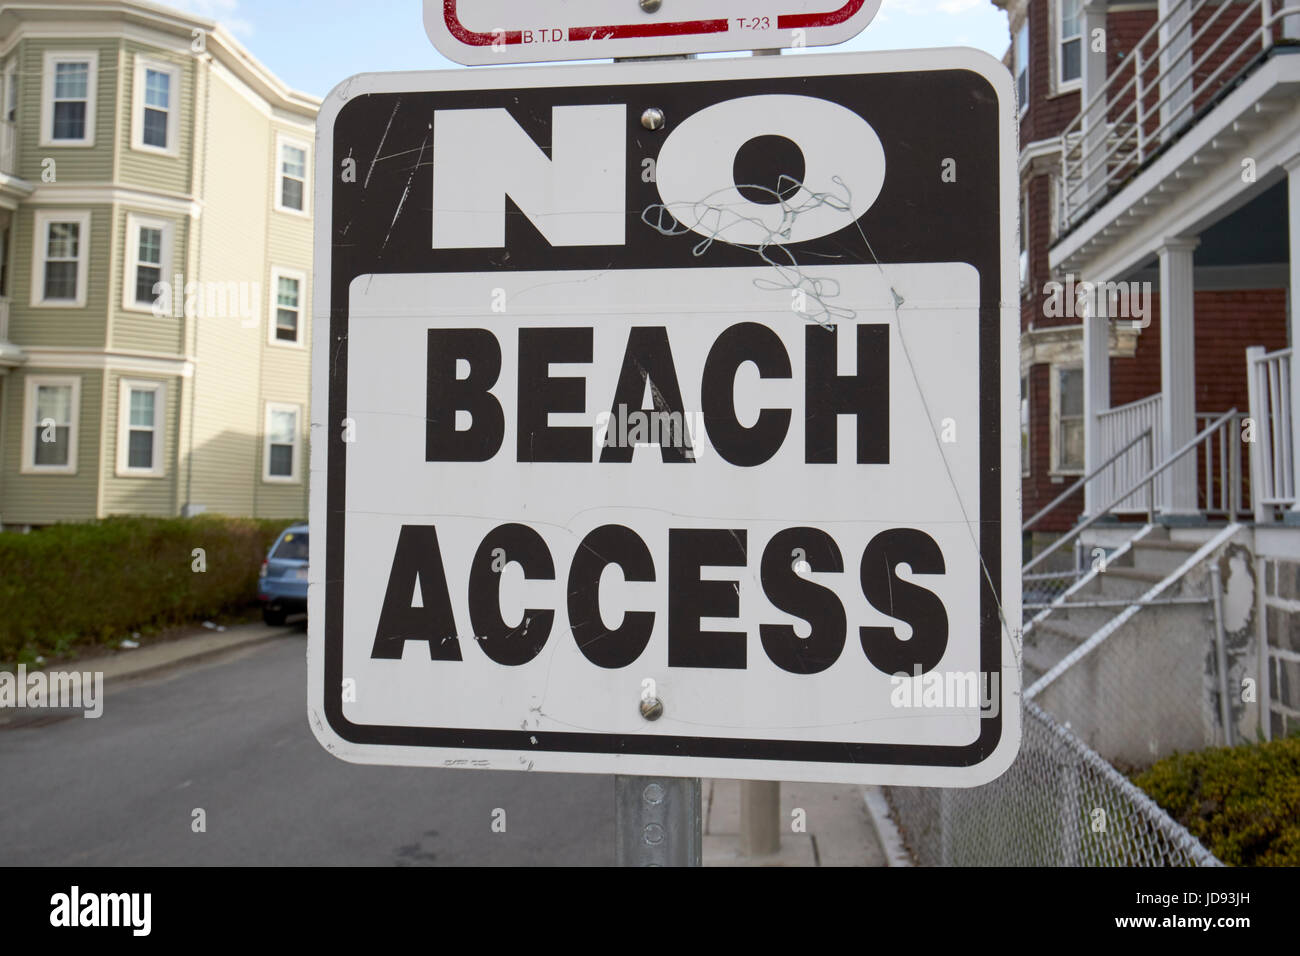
{"points": [[78, 584], [1243, 802]]}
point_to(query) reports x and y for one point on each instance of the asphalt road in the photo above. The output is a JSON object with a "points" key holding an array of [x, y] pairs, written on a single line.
{"points": [[230, 737]]}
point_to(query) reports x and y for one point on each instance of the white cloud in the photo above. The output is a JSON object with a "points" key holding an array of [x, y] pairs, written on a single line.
{"points": [[225, 12]]}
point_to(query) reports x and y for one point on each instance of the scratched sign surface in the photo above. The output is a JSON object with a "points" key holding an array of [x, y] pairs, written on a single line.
{"points": [[665, 420], [476, 32]]}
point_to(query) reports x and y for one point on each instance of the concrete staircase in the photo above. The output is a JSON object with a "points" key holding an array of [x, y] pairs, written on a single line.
{"points": [[1148, 560]]}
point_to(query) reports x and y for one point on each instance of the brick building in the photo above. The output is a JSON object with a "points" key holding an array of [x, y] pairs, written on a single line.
{"points": [[1160, 191]]}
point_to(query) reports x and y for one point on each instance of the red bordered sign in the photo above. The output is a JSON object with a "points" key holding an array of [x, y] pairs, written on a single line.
{"points": [[477, 32]]}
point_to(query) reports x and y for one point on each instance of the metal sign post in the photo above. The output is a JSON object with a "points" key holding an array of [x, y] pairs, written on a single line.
{"points": [[657, 821]]}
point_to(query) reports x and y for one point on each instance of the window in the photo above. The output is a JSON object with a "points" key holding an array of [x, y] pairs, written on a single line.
{"points": [[1024, 427], [11, 92], [157, 85], [287, 297], [68, 103], [293, 547], [59, 266], [1068, 401], [1022, 66], [1069, 60], [50, 425], [148, 255], [139, 428], [1057, 198], [291, 189], [1024, 239], [280, 453]]}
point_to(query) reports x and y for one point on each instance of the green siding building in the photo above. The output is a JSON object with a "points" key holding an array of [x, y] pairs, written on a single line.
{"points": [[155, 268]]}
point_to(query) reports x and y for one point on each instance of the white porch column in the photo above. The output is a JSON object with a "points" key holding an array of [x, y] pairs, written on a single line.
{"points": [[1178, 373], [1293, 318], [1175, 65], [1096, 398], [1094, 115], [1291, 24]]}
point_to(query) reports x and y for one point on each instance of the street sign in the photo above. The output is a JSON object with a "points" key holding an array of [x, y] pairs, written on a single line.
{"points": [[665, 419], [476, 32]]}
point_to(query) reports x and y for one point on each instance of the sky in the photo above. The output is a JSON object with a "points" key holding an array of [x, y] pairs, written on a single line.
{"points": [[313, 44]]}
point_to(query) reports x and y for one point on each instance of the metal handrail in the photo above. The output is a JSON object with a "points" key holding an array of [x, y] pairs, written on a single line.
{"points": [[1118, 602], [1085, 163], [1085, 479], [1147, 479]]}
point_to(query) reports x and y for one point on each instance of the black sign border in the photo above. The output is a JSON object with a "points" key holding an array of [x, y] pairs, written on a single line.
{"points": [[964, 113]]}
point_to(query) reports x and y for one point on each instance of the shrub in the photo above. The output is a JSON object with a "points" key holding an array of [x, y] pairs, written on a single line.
{"points": [[78, 584], [1243, 802]]}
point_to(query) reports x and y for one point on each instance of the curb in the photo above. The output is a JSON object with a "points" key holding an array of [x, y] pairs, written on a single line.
{"points": [[882, 818], [122, 668], [132, 669]]}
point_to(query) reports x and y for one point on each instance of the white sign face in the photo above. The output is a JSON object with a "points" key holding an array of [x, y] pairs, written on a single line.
{"points": [[477, 32], [690, 451]]}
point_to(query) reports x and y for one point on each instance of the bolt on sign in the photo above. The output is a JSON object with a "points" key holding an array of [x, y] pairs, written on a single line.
{"points": [[666, 419], [476, 32]]}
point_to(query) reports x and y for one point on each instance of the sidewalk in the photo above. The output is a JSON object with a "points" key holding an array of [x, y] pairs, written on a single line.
{"points": [[150, 660], [839, 830], [190, 649]]}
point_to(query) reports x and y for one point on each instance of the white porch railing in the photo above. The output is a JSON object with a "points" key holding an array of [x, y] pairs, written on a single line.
{"points": [[1272, 464], [1156, 90], [1209, 436], [1119, 426], [1221, 491], [1224, 464], [8, 147]]}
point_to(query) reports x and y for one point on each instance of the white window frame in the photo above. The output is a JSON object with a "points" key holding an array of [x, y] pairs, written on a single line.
{"points": [[134, 223], [1026, 250], [28, 464], [1054, 440], [1017, 56], [52, 59], [125, 387], [1058, 44], [1026, 425], [11, 91], [173, 70], [41, 245], [296, 477], [277, 272], [1054, 214], [282, 140]]}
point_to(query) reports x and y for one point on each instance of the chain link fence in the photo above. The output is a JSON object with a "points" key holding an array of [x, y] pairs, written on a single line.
{"points": [[1060, 804], [1042, 589]]}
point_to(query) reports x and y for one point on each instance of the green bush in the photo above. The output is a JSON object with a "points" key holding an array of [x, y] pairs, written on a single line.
{"points": [[78, 584], [1243, 802]]}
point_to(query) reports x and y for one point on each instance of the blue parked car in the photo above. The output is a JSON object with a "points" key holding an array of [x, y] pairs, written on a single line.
{"points": [[282, 585]]}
